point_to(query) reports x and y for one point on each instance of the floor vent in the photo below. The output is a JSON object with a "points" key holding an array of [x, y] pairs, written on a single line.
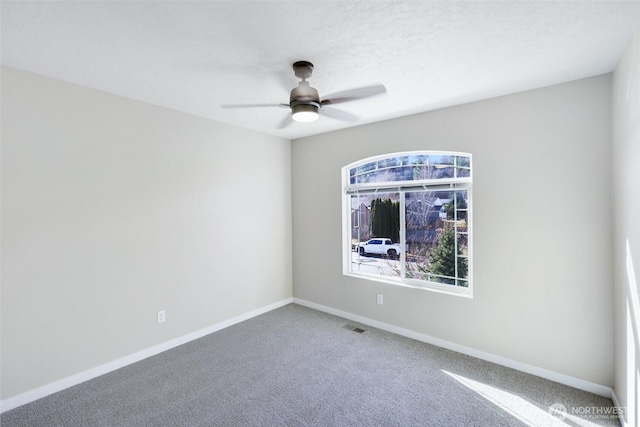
{"points": [[353, 328]]}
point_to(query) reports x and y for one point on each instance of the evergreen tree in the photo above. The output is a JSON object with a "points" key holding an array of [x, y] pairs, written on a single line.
{"points": [[375, 219], [394, 230], [385, 219], [442, 259]]}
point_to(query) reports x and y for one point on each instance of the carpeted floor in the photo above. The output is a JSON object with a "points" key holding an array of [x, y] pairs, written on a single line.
{"points": [[295, 366]]}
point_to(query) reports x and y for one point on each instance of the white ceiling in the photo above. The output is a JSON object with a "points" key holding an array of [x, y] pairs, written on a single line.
{"points": [[193, 56]]}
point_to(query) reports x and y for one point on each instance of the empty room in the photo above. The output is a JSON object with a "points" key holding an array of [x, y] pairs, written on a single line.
{"points": [[320, 213]]}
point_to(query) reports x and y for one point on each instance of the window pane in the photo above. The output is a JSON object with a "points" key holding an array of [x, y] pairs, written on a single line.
{"points": [[463, 172], [375, 228], [463, 167], [463, 161], [441, 160], [389, 162], [422, 222], [434, 243], [411, 168]]}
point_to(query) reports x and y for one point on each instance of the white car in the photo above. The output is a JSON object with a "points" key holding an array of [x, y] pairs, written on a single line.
{"points": [[380, 246]]}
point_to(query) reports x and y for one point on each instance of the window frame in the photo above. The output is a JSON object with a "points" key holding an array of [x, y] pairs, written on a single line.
{"points": [[402, 188]]}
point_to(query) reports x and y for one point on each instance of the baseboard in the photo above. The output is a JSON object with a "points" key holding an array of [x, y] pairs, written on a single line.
{"points": [[89, 374], [621, 414], [510, 363]]}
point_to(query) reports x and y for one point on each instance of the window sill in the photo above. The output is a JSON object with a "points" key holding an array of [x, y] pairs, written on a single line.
{"points": [[423, 286]]}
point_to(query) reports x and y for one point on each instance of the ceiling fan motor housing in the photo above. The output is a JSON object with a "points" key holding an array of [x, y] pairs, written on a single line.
{"points": [[304, 99], [304, 94]]}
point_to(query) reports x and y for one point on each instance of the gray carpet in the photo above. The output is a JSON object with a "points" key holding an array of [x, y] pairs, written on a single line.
{"points": [[299, 367]]}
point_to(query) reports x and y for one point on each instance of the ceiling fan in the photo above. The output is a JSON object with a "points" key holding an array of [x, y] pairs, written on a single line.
{"points": [[305, 103]]}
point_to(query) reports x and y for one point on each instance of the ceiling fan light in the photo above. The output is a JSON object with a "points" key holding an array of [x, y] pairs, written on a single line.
{"points": [[305, 113]]}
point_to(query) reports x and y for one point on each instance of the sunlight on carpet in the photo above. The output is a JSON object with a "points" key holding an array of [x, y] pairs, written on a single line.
{"points": [[520, 408]]}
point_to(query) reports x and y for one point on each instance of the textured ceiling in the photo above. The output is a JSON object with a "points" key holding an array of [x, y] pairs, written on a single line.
{"points": [[194, 56]]}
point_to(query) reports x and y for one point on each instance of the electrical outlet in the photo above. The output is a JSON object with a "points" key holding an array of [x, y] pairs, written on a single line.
{"points": [[380, 299], [162, 316]]}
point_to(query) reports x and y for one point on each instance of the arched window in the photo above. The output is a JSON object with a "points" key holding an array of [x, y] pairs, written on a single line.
{"points": [[407, 220]]}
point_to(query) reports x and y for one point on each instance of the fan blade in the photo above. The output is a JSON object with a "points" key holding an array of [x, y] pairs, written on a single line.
{"points": [[354, 94], [286, 122], [227, 106], [334, 113]]}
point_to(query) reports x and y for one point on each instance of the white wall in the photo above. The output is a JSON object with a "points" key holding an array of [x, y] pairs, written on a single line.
{"points": [[113, 209], [542, 218], [626, 185]]}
